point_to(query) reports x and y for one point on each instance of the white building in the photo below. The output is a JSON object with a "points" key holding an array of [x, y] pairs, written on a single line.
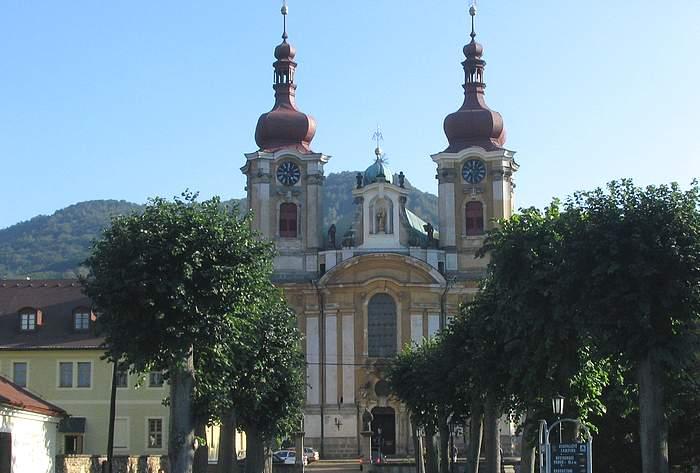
{"points": [[28, 427]]}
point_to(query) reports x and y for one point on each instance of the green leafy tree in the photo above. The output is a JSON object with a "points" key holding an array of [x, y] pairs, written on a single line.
{"points": [[168, 281], [257, 377], [637, 259]]}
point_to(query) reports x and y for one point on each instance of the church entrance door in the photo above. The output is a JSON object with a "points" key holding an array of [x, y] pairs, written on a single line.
{"points": [[384, 429]]}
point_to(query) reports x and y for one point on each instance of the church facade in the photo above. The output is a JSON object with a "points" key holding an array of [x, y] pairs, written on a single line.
{"points": [[392, 278]]}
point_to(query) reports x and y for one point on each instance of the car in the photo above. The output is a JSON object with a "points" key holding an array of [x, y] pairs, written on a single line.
{"points": [[311, 454], [276, 459], [289, 457]]}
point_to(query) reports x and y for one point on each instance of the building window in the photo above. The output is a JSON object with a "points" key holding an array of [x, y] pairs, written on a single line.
{"points": [[81, 320], [288, 220], [381, 326], [19, 373], [27, 320], [84, 374], [474, 217], [65, 375], [122, 378], [155, 433], [83, 370], [73, 444], [155, 379]]}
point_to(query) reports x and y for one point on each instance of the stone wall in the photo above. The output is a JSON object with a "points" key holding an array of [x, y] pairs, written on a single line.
{"points": [[122, 464]]}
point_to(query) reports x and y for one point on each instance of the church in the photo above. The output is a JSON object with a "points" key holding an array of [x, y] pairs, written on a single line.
{"points": [[392, 278]]}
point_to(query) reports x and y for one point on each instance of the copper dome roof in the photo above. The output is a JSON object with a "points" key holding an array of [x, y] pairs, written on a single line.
{"points": [[285, 126], [474, 124]]}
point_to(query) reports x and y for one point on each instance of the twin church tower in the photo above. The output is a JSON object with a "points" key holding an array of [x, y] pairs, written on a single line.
{"points": [[385, 276]]}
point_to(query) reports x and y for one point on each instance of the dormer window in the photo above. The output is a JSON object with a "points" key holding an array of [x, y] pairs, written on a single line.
{"points": [[81, 320], [29, 319]]}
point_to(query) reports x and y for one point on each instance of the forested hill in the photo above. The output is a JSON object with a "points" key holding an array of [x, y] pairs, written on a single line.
{"points": [[53, 246]]}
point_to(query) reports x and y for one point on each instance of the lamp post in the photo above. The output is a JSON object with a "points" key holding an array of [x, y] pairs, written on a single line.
{"points": [[558, 408]]}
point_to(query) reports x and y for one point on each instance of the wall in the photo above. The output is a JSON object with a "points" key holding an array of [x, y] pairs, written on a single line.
{"points": [[121, 464], [33, 439], [134, 404]]}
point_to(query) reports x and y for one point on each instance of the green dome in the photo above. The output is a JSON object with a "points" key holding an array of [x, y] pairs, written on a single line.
{"points": [[377, 172]]}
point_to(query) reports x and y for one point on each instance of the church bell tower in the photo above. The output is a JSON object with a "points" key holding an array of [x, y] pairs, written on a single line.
{"points": [[284, 176], [475, 172]]}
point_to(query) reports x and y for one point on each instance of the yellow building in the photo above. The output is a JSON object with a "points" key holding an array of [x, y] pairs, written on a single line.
{"points": [[49, 347]]}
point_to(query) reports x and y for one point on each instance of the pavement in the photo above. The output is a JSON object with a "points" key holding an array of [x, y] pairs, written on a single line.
{"points": [[336, 466]]}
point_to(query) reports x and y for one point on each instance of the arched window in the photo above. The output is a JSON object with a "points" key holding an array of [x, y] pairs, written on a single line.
{"points": [[288, 220], [474, 216], [381, 326]]}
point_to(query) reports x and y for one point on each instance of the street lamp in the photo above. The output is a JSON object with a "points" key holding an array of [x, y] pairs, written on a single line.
{"points": [[558, 405], [558, 408]]}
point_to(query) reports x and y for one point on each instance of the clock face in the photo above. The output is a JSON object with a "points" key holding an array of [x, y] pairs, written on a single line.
{"points": [[288, 173], [474, 171]]}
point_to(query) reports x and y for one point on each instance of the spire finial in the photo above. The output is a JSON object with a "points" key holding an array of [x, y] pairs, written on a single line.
{"points": [[284, 10], [377, 136], [472, 12]]}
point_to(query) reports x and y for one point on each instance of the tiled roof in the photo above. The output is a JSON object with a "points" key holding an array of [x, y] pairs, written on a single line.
{"points": [[57, 299], [14, 396]]}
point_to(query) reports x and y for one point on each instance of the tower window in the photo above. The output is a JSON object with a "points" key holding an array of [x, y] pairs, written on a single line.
{"points": [[474, 217], [288, 220]]}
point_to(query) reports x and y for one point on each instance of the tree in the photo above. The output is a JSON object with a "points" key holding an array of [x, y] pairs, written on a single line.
{"points": [[638, 264], [169, 281], [610, 283], [257, 376]]}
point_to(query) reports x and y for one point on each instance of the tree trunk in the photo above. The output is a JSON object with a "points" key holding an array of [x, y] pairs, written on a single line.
{"points": [[492, 438], [201, 455], [476, 432], [180, 447], [431, 459], [227, 444], [444, 452], [653, 429], [255, 452], [527, 445], [417, 449]]}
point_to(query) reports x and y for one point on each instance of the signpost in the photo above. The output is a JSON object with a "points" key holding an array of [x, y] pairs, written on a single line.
{"points": [[574, 457]]}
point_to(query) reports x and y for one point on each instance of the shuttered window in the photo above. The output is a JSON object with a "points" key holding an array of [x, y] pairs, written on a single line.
{"points": [[475, 218], [288, 220]]}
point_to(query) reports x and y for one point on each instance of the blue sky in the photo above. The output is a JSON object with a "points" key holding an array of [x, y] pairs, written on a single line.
{"points": [[131, 99]]}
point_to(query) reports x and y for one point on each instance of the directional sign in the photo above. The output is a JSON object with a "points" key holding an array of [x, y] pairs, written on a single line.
{"points": [[569, 458]]}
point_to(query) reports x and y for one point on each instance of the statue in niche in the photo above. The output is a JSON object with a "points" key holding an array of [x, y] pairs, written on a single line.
{"points": [[430, 230], [331, 236], [367, 419], [381, 221]]}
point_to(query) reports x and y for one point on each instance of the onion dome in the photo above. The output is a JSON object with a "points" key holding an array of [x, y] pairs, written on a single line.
{"points": [[474, 124], [378, 171], [285, 126]]}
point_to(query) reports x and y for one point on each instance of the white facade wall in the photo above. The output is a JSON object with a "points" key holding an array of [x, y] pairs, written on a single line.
{"points": [[33, 439]]}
